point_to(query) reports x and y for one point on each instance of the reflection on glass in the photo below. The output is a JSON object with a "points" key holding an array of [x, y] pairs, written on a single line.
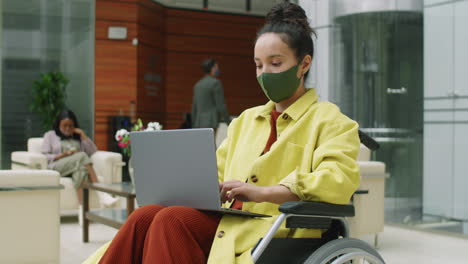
{"points": [[39, 37], [378, 82]]}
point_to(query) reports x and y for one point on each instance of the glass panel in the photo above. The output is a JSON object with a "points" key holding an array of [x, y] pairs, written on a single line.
{"points": [[125, 187], [227, 5], [39, 37], [184, 3], [378, 82], [263, 6], [77, 59]]}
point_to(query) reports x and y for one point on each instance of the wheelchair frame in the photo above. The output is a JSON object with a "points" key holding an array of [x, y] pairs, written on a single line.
{"points": [[299, 215], [317, 215]]}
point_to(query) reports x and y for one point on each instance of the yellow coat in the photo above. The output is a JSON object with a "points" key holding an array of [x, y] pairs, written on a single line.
{"points": [[314, 155]]}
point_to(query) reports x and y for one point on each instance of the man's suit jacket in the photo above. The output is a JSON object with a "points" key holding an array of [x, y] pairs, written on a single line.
{"points": [[208, 107]]}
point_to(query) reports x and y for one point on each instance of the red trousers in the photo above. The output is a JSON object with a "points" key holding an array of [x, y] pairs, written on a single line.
{"points": [[164, 235]]}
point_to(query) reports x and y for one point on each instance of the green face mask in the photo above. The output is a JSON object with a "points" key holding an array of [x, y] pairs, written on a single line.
{"points": [[279, 86]]}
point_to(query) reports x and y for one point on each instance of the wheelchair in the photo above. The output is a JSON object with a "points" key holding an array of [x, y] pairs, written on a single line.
{"points": [[335, 246]]}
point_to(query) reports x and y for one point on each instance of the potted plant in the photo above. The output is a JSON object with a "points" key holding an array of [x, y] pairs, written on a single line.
{"points": [[48, 97]]}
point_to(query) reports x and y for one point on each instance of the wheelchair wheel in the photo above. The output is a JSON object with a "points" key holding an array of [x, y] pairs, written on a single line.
{"points": [[345, 250]]}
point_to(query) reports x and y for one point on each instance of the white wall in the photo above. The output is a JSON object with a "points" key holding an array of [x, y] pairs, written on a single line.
{"points": [[318, 12], [445, 108]]}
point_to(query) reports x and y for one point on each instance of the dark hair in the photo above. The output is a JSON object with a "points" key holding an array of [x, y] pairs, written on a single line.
{"points": [[290, 22], [66, 114], [208, 64]]}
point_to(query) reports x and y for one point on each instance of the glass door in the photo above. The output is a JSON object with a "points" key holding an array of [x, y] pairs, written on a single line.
{"points": [[40, 37], [378, 82]]}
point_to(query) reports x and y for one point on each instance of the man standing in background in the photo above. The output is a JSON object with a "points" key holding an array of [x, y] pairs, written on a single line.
{"points": [[208, 107]]}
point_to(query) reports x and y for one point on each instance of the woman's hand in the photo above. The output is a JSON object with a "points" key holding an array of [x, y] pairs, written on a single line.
{"points": [[65, 154], [80, 132], [241, 191], [247, 192]]}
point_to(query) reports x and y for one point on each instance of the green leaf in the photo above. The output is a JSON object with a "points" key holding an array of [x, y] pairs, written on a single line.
{"points": [[48, 97]]}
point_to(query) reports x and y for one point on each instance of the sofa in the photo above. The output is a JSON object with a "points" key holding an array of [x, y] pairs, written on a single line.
{"points": [[369, 205], [30, 218], [108, 167]]}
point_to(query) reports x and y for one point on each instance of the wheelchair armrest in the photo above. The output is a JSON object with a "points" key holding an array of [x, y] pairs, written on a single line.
{"points": [[317, 209], [361, 192], [368, 141]]}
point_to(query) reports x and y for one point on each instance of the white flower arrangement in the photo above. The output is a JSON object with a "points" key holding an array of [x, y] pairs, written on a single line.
{"points": [[122, 136], [121, 133], [153, 126]]}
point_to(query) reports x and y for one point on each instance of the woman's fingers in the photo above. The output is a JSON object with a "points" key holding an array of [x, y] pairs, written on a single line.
{"points": [[223, 192], [78, 131], [230, 195], [239, 193], [226, 187], [248, 193]]}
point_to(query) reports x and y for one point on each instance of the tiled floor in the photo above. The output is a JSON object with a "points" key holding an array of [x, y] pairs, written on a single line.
{"points": [[405, 246], [398, 245], [72, 248]]}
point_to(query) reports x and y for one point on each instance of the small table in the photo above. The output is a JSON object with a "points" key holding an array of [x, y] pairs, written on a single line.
{"points": [[108, 216]]}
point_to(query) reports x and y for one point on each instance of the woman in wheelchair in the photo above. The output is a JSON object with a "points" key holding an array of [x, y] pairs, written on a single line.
{"points": [[292, 148], [68, 150]]}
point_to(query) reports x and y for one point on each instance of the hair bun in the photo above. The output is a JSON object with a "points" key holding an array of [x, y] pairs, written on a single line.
{"points": [[289, 13]]}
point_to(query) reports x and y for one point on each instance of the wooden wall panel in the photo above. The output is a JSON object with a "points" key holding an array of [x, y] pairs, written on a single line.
{"points": [[151, 89], [237, 76], [115, 66], [112, 10], [172, 44], [151, 37], [151, 62], [151, 15], [206, 44], [215, 17], [193, 36], [201, 26], [115, 82]]}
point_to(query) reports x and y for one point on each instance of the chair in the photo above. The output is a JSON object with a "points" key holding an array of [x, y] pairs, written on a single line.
{"points": [[30, 220], [335, 246], [369, 200], [108, 167]]}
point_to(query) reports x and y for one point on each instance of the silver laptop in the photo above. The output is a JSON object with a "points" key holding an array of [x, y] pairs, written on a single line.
{"points": [[178, 167]]}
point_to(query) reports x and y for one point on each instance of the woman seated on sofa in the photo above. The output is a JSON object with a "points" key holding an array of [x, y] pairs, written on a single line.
{"points": [[68, 150], [292, 148]]}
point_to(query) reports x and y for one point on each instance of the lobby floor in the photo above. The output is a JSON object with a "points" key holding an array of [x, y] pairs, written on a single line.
{"points": [[397, 245]]}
